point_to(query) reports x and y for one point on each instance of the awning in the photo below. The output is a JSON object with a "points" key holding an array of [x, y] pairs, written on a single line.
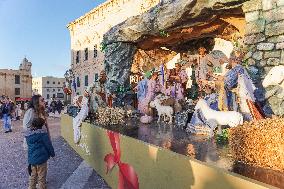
{"points": [[23, 99]]}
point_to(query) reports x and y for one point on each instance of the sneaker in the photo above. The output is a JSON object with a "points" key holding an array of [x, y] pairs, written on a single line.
{"points": [[6, 132], [10, 130]]}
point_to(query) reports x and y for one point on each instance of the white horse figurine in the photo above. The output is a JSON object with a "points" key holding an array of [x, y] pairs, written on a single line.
{"points": [[162, 110]]}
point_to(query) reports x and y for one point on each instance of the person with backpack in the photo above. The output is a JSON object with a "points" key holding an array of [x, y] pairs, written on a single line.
{"points": [[40, 149]]}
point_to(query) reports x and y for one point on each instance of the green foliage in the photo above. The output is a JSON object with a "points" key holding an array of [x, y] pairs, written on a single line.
{"points": [[223, 138], [103, 47], [217, 69], [245, 63], [193, 92], [156, 10], [121, 89], [163, 33]]}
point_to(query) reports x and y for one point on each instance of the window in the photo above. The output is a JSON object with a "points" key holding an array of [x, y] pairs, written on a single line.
{"points": [[60, 95], [17, 79], [78, 82], [53, 95], [58, 90], [47, 90], [86, 80], [95, 51], [53, 90], [96, 77], [47, 82], [77, 57], [86, 53], [47, 96], [58, 83], [17, 91], [53, 82]]}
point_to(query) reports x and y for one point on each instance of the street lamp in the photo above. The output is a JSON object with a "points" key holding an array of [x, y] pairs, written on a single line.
{"points": [[69, 76]]}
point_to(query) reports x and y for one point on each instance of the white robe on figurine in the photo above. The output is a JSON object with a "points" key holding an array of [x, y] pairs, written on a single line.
{"points": [[77, 121]]}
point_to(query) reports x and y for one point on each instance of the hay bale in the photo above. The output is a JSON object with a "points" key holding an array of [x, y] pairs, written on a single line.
{"points": [[110, 116], [259, 143]]}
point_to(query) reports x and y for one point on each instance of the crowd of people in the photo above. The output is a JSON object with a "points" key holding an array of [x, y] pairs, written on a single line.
{"points": [[10, 110], [54, 106]]}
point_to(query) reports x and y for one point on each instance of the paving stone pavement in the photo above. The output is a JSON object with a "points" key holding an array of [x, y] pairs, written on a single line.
{"points": [[13, 160]]}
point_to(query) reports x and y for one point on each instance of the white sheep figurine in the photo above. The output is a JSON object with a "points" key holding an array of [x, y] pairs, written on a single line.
{"points": [[162, 110], [275, 77], [230, 118]]}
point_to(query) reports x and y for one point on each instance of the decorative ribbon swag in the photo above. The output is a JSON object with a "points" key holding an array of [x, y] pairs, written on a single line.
{"points": [[127, 176]]}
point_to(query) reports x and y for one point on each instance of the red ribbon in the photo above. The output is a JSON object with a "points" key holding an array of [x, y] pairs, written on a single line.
{"points": [[127, 176]]}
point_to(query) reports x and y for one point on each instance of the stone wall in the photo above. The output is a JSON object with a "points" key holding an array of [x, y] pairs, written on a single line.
{"points": [[265, 41]]}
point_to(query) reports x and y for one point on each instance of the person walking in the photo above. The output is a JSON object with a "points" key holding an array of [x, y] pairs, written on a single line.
{"points": [[26, 105], [53, 106], [18, 112], [59, 106], [40, 149], [6, 110]]}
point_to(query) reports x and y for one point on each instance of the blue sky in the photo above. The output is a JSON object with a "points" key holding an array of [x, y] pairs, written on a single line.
{"points": [[37, 29]]}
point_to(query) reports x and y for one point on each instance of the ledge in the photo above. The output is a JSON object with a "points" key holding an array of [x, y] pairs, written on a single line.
{"points": [[156, 167]]}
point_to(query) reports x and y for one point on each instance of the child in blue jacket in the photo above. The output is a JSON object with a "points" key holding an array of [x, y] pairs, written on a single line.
{"points": [[40, 150]]}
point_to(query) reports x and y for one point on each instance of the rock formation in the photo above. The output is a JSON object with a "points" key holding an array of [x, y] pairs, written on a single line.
{"points": [[183, 25], [192, 23]]}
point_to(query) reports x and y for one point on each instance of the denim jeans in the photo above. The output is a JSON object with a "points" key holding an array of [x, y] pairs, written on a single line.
{"points": [[7, 122]]}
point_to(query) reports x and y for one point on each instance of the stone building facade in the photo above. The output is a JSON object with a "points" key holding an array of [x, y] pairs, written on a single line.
{"points": [[87, 33], [265, 41], [17, 83], [49, 87]]}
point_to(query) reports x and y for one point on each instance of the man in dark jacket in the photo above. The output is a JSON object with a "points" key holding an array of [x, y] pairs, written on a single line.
{"points": [[6, 111], [53, 106], [40, 150], [59, 106]]}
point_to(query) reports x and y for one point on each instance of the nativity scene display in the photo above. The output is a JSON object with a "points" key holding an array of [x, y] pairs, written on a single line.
{"points": [[207, 95], [195, 81]]}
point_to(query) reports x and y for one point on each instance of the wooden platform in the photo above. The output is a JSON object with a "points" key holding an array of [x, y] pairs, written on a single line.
{"points": [[157, 168]]}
